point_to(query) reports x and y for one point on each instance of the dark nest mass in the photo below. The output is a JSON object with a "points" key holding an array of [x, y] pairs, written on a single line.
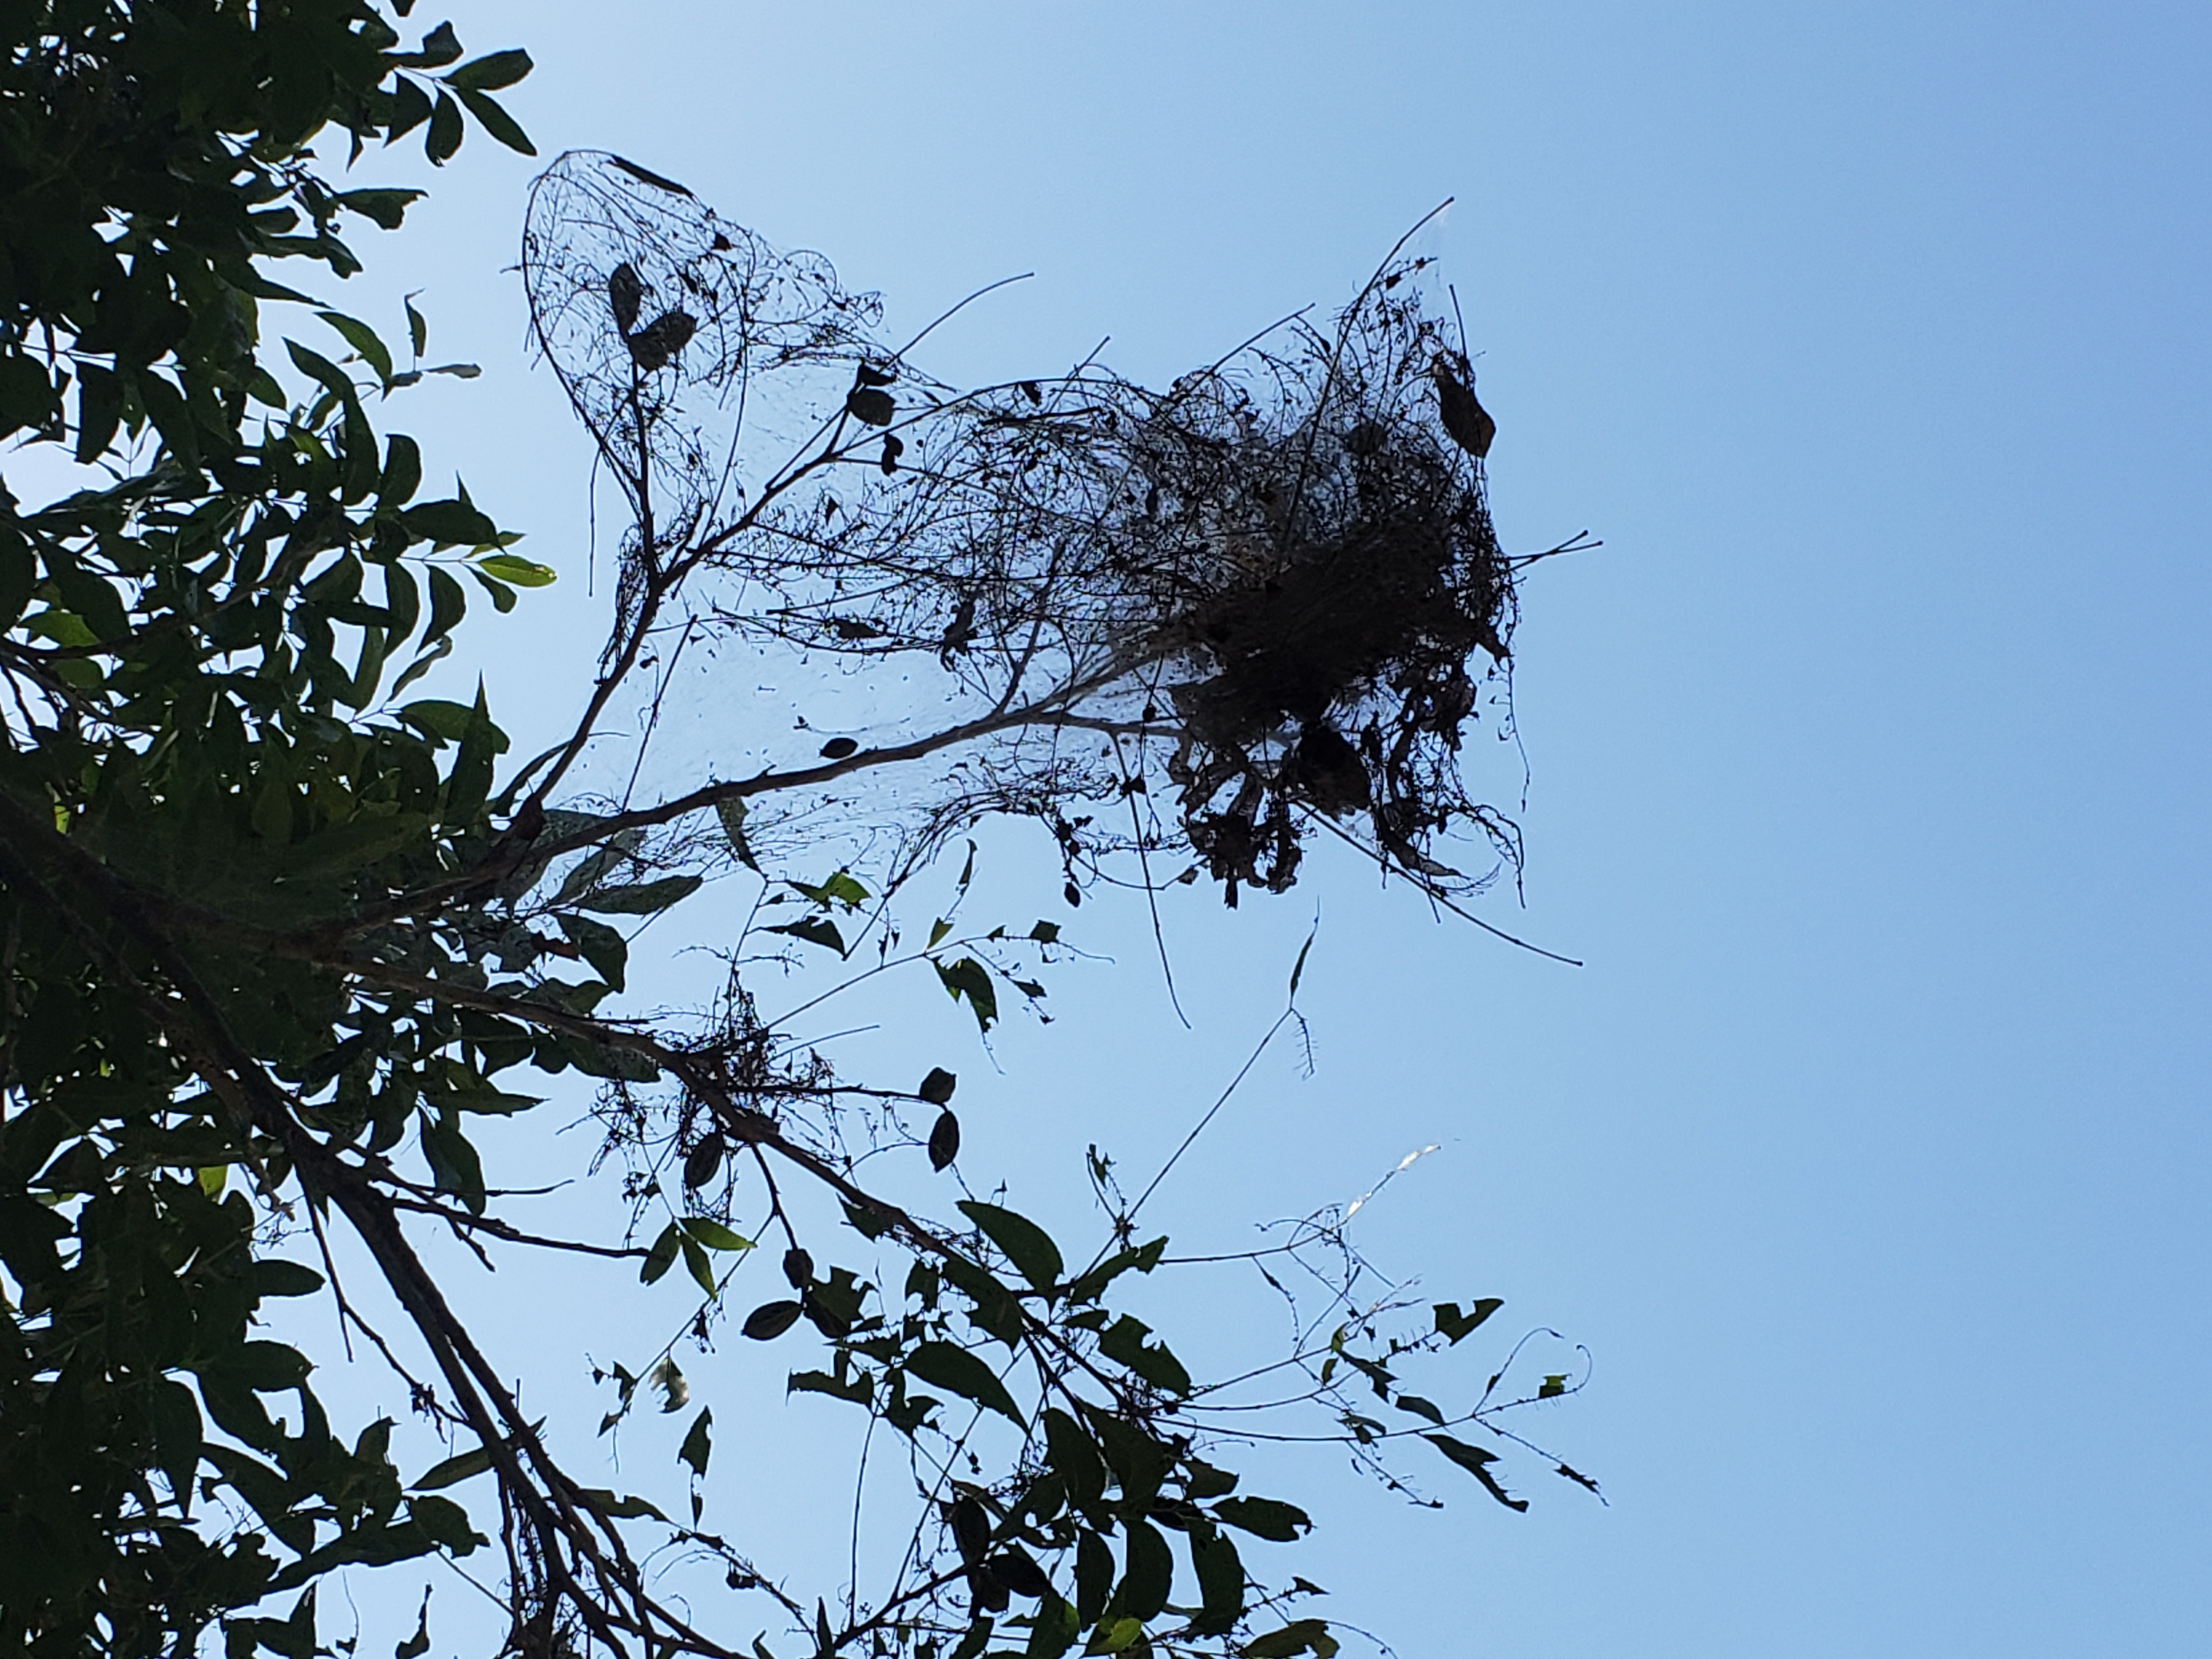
{"points": [[1267, 597]]}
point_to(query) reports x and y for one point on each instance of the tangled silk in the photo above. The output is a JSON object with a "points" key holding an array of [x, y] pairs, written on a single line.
{"points": [[1268, 595]]}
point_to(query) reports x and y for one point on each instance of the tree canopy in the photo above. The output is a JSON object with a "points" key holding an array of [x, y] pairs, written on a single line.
{"points": [[279, 939]]}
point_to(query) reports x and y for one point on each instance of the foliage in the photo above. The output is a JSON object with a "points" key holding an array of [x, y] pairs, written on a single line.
{"points": [[274, 935]]}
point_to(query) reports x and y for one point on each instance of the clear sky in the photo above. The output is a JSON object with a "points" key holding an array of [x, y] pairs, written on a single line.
{"points": [[1868, 1154]]}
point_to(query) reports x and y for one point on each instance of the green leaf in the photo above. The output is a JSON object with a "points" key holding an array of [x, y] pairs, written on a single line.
{"points": [[937, 1088], [454, 1470], [1054, 1630], [698, 1445], [662, 1256], [644, 898], [956, 1367], [602, 946], [439, 717], [702, 1268], [732, 813], [1265, 1517], [1452, 1324], [1027, 1245], [454, 1165], [714, 1236], [1476, 1461], [523, 573], [840, 889], [425, 662], [469, 782], [502, 596]]}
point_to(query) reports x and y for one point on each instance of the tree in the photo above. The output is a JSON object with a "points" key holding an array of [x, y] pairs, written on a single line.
{"points": [[277, 938]]}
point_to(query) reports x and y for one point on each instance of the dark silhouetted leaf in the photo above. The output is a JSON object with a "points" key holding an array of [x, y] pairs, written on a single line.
{"points": [[943, 1141], [1467, 420], [815, 930], [652, 179], [704, 1162], [971, 1529], [1073, 1457], [1220, 1572], [625, 295], [653, 346], [419, 1643], [1300, 1636], [1147, 1572], [698, 1443], [1124, 1341], [955, 1368], [937, 1088], [771, 1320], [1453, 1324], [1265, 1517], [1027, 1245], [491, 71], [1476, 1461], [1581, 1481], [866, 403], [838, 748], [1421, 1407], [969, 978]]}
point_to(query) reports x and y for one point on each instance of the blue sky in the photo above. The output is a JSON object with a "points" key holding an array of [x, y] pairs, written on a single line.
{"points": [[1868, 1152]]}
